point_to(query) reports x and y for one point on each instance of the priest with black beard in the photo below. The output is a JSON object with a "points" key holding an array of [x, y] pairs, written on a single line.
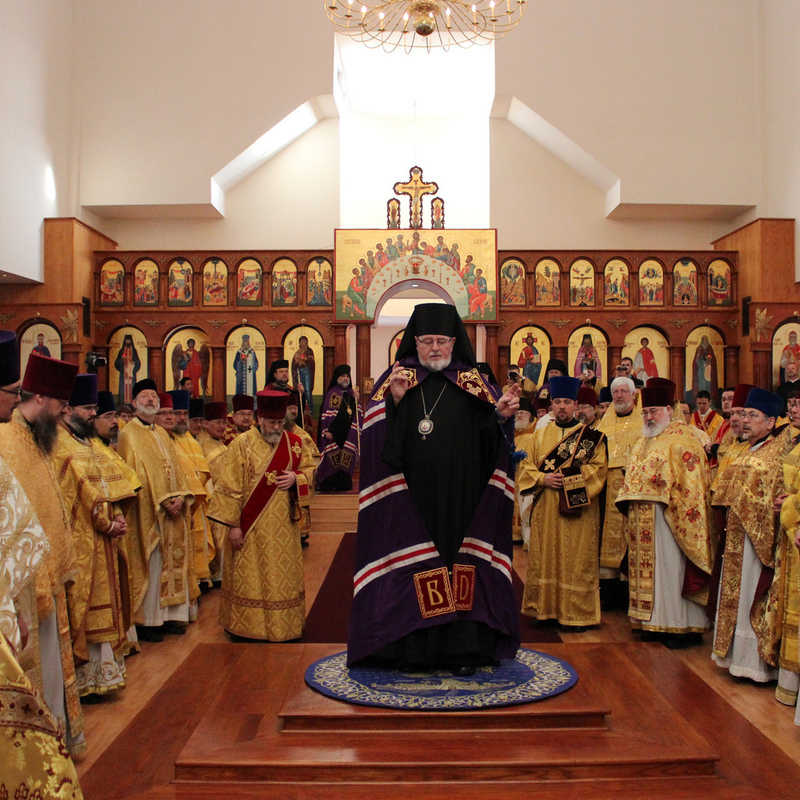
{"points": [[432, 585]]}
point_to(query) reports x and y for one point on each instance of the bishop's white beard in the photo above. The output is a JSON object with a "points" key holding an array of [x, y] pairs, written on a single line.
{"points": [[273, 437], [148, 412], [623, 407], [653, 428], [436, 364]]}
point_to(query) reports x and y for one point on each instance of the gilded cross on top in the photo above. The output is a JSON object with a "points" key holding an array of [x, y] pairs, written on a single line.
{"points": [[415, 188]]}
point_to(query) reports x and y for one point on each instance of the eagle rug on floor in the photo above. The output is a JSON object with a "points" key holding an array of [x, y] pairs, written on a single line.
{"points": [[529, 677]]}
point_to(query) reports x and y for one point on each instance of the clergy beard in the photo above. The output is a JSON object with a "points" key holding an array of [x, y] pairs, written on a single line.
{"points": [[82, 428], [146, 412], [436, 364], [622, 408], [44, 430], [181, 426], [654, 427], [273, 437]]}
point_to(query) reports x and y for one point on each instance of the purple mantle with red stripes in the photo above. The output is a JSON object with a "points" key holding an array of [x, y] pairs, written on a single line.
{"points": [[394, 545]]}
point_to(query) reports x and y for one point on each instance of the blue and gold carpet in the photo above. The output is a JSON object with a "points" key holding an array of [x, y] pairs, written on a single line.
{"points": [[529, 677]]}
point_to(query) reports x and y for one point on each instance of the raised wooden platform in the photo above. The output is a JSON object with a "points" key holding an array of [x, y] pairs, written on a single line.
{"points": [[638, 723]]}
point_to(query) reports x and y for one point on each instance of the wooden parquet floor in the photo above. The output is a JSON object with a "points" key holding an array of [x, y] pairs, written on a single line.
{"points": [[206, 711]]}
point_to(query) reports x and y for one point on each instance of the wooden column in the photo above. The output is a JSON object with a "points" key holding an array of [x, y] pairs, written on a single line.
{"points": [[731, 365], [558, 352], [363, 354], [677, 368], [102, 372], [274, 353], [302, 287], [197, 285], [633, 282], [339, 344], [530, 286], [329, 360], [614, 358], [71, 351], [155, 365], [491, 350], [762, 356], [472, 335], [218, 373]]}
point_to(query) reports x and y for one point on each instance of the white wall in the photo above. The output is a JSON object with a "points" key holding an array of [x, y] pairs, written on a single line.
{"points": [[781, 113], [292, 201], [664, 94], [35, 134], [172, 91], [540, 202]]}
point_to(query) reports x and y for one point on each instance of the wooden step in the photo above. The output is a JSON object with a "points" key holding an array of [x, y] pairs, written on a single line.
{"points": [[613, 725]]}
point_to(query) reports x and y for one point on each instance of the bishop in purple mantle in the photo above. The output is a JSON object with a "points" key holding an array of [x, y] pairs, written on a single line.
{"points": [[337, 433], [432, 584]]}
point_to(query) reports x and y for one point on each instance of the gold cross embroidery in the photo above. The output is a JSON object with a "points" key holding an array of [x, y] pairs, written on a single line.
{"points": [[296, 449], [272, 477], [549, 464]]}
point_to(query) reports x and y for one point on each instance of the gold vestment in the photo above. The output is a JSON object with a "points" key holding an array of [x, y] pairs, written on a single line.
{"points": [[670, 469], [150, 452], [34, 761], [523, 440], [36, 475], [563, 573], [94, 489], [621, 434], [262, 584], [198, 472], [23, 544], [747, 490]]}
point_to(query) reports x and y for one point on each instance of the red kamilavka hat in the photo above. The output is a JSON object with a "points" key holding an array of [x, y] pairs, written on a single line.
{"points": [[272, 404], [242, 402], [218, 410], [165, 400], [49, 377], [658, 392], [740, 394]]}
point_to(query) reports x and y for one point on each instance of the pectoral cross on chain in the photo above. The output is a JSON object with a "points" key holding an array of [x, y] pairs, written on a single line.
{"points": [[415, 188]]}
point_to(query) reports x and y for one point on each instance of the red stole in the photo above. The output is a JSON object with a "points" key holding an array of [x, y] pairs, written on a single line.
{"points": [[699, 423], [284, 456]]}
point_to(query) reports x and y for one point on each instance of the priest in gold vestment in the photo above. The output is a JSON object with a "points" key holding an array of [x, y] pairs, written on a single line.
{"points": [[563, 578], [95, 490], [524, 431], [159, 543], [746, 635], [291, 424], [785, 590], [264, 478], [664, 497], [622, 425], [26, 444], [197, 467]]}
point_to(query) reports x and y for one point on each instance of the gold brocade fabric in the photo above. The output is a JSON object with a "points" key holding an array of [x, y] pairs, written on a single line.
{"points": [[23, 544], [563, 572], [211, 447], [94, 487], [747, 490], [730, 449], [149, 451], [34, 761], [523, 440], [670, 469], [709, 424], [195, 464], [313, 452], [621, 434], [34, 471], [262, 584], [786, 585]]}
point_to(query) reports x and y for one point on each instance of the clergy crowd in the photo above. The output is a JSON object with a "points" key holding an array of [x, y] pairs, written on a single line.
{"points": [[689, 519], [114, 523]]}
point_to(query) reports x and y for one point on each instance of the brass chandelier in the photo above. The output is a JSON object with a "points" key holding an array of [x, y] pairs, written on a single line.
{"points": [[409, 24]]}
